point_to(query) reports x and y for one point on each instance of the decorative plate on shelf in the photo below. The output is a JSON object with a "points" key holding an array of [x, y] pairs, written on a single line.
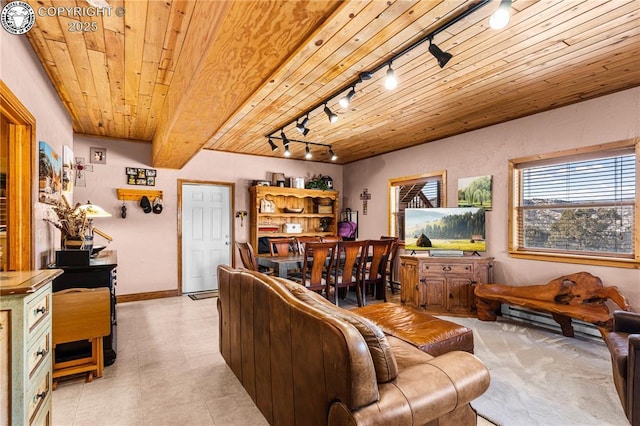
{"points": [[288, 210]]}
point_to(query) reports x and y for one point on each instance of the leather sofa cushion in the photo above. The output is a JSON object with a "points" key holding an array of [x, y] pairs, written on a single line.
{"points": [[618, 344], [381, 353]]}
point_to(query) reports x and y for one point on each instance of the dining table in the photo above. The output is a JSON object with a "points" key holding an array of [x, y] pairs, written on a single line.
{"points": [[281, 265]]}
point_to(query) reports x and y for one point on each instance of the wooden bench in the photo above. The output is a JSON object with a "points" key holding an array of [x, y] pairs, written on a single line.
{"points": [[581, 296]]}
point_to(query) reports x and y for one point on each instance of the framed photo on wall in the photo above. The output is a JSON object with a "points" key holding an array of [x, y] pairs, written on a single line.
{"points": [[97, 155], [475, 192], [49, 174]]}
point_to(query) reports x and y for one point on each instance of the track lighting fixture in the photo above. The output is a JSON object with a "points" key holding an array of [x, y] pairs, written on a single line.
{"points": [[442, 57], [273, 146], [332, 117], [346, 100], [498, 20], [302, 126], [500, 17], [308, 154], [390, 83]]}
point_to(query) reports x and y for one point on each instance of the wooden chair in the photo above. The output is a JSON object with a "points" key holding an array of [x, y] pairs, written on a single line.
{"points": [[350, 259], [282, 246], [80, 314], [302, 242], [373, 273], [317, 265], [248, 258], [331, 239], [393, 252]]}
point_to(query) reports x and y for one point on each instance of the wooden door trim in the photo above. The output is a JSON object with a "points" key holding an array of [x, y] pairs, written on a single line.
{"points": [[232, 187], [20, 175]]}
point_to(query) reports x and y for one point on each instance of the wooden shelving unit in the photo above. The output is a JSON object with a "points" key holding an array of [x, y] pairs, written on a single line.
{"points": [[271, 224]]}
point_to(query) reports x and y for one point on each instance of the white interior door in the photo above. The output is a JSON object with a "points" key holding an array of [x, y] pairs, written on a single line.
{"points": [[206, 235]]}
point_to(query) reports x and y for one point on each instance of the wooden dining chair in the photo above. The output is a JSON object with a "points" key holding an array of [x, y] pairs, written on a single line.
{"points": [[248, 258], [302, 242], [317, 266], [331, 239], [282, 246], [373, 274], [393, 252], [347, 273]]}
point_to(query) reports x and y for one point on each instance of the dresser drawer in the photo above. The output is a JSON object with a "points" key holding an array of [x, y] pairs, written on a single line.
{"points": [[39, 351], [38, 309], [450, 268], [39, 393], [43, 417]]}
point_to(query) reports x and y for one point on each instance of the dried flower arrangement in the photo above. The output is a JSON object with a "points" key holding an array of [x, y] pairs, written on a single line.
{"points": [[71, 221]]}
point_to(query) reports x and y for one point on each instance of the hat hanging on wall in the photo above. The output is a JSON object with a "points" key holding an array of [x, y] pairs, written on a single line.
{"points": [[145, 204], [157, 205]]}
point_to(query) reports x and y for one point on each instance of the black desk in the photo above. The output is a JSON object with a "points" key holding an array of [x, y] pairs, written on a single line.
{"points": [[101, 272]]}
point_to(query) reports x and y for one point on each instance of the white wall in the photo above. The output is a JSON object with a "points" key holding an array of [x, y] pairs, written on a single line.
{"points": [[25, 77], [147, 244], [485, 152]]}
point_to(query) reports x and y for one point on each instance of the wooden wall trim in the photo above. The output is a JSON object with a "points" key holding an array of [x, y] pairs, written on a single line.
{"points": [[136, 297], [20, 169]]}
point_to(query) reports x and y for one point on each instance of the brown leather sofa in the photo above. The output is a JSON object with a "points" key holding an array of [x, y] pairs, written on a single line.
{"points": [[624, 344], [305, 361]]}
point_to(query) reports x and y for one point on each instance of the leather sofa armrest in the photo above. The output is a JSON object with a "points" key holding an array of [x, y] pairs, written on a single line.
{"points": [[627, 322], [421, 393], [633, 379]]}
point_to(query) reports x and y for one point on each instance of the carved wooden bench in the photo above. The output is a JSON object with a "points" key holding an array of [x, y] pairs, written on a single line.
{"points": [[581, 296]]}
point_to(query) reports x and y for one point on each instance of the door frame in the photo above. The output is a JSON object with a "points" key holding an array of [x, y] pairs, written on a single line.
{"points": [[20, 169], [231, 186]]}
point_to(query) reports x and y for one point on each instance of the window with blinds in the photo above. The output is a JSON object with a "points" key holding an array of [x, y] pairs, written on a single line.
{"points": [[583, 205]]}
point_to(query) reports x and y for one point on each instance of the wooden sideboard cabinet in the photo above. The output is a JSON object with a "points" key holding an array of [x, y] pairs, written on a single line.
{"points": [[268, 219], [25, 347], [443, 284]]}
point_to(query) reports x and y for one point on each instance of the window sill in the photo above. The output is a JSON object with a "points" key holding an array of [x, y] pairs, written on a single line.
{"points": [[582, 260]]}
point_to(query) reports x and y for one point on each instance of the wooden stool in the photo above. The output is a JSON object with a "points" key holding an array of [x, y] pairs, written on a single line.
{"points": [[80, 314]]}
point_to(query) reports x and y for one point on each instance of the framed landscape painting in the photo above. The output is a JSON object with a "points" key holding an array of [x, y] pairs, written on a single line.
{"points": [[475, 192], [49, 174]]}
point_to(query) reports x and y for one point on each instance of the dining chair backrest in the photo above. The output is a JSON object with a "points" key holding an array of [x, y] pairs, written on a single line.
{"points": [[282, 246], [350, 261], [317, 265], [375, 268], [302, 242], [247, 256], [393, 252], [331, 239]]}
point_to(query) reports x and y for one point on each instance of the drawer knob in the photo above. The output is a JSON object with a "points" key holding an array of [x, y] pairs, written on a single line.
{"points": [[40, 310], [446, 268], [41, 395], [42, 352]]}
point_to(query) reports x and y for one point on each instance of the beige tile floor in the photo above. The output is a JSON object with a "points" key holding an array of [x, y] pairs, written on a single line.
{"points": [[168, 371]]}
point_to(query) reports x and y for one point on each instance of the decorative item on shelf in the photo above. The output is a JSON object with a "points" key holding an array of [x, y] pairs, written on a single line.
{"points": [[76, 224], [323, 205], [328, 181], [297, 182], [291, 210], [267, 206], [277, 179], [316, 182], [324, 224], [261, 183]]}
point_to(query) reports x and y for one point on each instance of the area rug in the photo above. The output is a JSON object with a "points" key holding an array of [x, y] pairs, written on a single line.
{"points": [[539, 377], [204, 295]]}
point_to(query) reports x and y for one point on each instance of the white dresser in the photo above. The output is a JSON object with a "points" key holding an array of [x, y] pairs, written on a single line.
{"points": [[25, 347]]}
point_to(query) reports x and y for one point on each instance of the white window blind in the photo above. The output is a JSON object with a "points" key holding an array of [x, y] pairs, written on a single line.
{"points": [[578, 207]]}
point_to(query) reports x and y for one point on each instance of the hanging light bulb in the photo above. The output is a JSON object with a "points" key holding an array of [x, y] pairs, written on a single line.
{"points": [[344, 102], [332, 117], [287, 153], [333, 155], [302, 126], [501, 16], [307, 154], [390, 83]]}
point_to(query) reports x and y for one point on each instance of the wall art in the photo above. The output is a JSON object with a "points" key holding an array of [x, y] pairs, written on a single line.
{"points": [[139, 176], [475, 192], [50, 174]]}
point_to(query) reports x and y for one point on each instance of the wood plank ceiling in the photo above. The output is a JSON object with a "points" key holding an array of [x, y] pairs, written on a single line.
{"points": [[220, 75]]}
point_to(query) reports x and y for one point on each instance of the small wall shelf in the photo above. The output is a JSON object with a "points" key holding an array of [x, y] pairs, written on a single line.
{"points": [[137, 194]]}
